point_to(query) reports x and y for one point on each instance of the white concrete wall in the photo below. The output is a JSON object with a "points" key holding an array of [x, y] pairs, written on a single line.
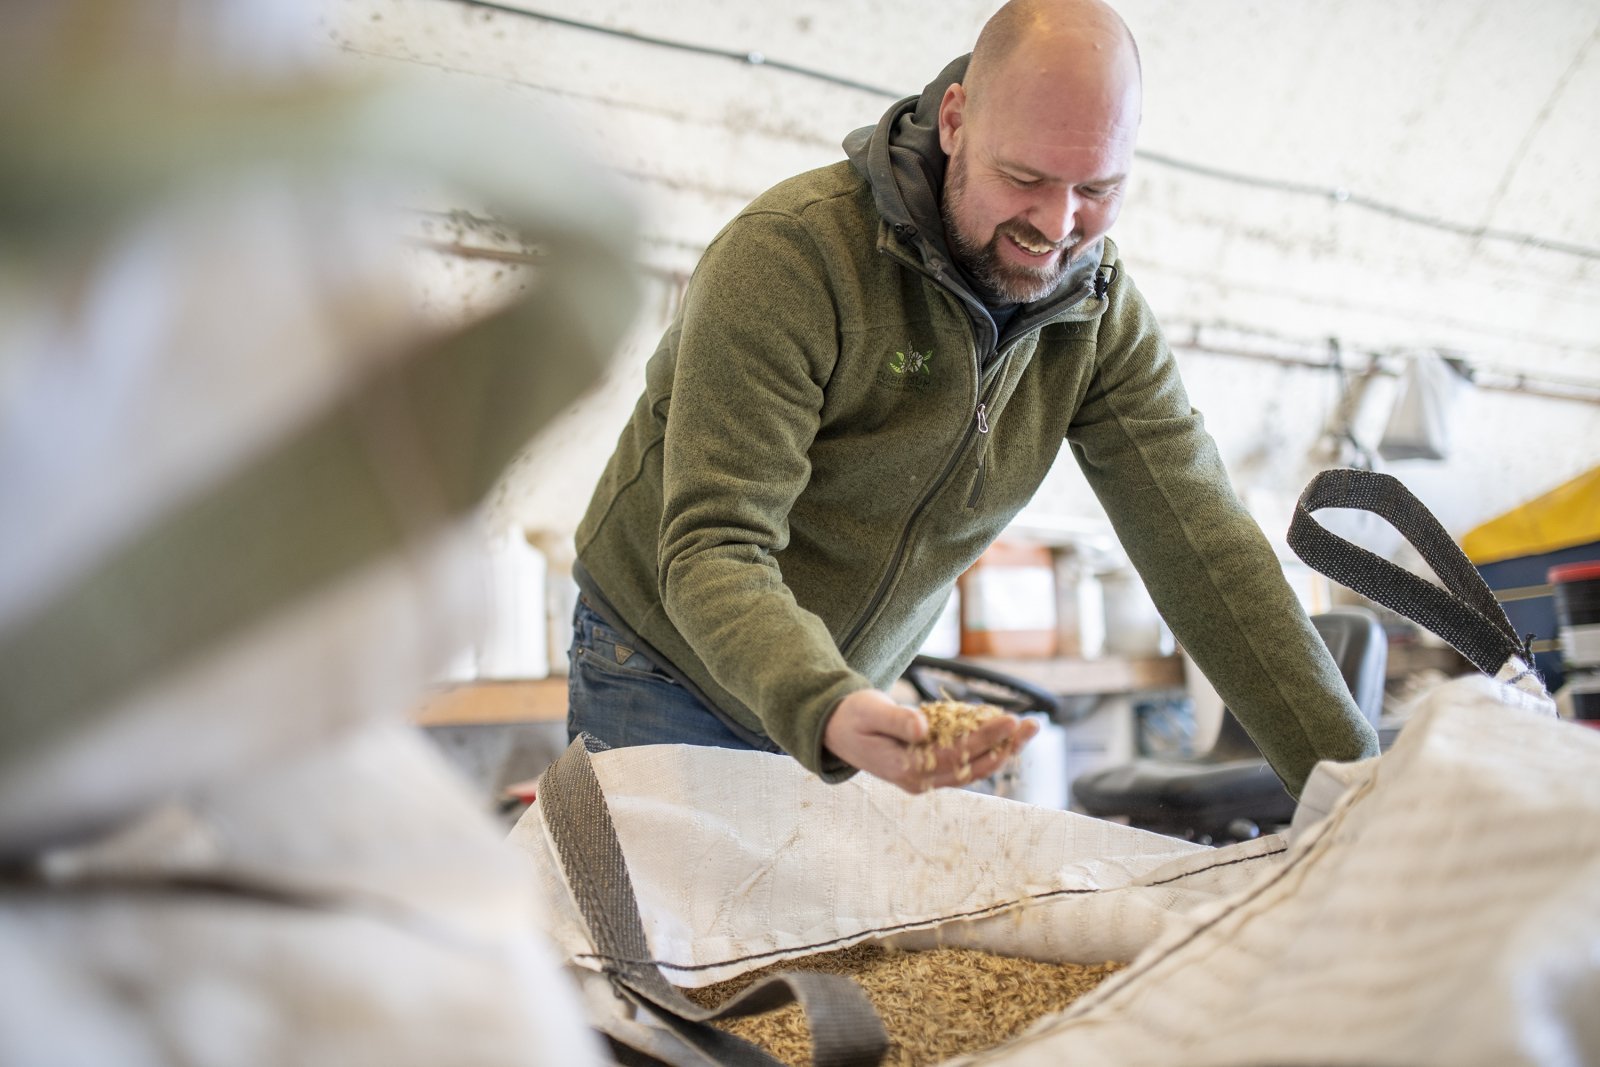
{"points": [[1476, 111]]}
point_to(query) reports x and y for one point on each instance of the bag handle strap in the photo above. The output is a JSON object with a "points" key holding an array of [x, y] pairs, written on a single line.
{"points": [[1464, 613], [845, 1028]]}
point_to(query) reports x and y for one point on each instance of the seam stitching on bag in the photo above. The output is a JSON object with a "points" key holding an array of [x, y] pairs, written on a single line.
{"points": [[1308, 855], [976, 913]]}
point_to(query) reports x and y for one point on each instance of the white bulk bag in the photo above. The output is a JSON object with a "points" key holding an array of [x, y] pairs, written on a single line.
{"points": [[1446, 912], [348, 907], [739, 860], [1439, 904], [237, 476]]}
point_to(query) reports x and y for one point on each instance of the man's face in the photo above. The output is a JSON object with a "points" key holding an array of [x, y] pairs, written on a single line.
{"points": [[1023, 199]]}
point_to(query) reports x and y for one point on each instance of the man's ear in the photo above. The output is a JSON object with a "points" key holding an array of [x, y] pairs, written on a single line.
{"points": [[951, 114]]}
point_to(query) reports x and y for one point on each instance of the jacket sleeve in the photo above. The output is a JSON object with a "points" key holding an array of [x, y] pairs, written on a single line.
{"points": [[1211, 572], [759, 341]]}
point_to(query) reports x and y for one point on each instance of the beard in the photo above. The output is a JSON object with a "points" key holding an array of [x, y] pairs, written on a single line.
{"points": [[999, 281]]}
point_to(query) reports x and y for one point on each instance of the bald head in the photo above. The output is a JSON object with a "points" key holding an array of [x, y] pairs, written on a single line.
{"points": [[1040, 136], [1031, 38]]}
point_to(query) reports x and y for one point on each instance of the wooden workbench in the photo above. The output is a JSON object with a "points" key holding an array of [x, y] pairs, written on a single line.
{"points": [[545, 699], [476, 703]]}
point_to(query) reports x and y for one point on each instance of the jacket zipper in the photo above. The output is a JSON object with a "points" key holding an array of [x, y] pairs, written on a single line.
{"points": [[979, 424], [983, 458], [997, 371]]}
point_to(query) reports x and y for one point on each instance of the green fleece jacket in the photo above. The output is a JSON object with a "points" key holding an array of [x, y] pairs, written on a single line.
{"points": [[833, 429]]}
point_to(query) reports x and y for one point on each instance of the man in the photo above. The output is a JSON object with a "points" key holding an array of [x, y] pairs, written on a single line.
{"points": [[874, 366]]}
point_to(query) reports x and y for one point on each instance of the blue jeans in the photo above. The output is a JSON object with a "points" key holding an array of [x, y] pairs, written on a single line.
{"points": [[617, 694]]}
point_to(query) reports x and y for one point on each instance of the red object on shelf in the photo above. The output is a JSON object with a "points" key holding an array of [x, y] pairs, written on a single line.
{"points": [[523, 792], [1587, 570]]}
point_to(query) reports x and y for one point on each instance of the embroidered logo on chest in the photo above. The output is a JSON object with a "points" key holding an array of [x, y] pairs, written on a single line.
{"points": [[915, 363]]}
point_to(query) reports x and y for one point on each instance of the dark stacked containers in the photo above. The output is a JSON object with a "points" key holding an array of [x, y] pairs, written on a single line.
{"points": [[1577, 598]]}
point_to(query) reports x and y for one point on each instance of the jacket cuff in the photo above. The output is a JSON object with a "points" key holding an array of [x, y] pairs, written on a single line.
{"points": [[804, 743]]}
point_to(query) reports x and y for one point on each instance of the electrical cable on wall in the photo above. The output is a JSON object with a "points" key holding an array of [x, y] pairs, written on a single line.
{"points": [[1334, 194], [1288, 352], [753, 58], [1185, 336]]}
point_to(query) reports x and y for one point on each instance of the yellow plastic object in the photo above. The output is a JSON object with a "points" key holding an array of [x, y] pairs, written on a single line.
{"points": [[1567, 515]]}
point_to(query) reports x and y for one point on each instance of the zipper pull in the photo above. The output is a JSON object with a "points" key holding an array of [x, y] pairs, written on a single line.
{"points": [[983, 418]]}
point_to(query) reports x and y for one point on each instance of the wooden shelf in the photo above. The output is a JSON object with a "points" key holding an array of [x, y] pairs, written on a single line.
{"points": [[545, 699], [478, 703], [1082, 677]]}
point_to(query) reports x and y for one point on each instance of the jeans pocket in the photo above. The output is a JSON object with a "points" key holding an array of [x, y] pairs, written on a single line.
{"points": [[596, 643], [621, 660]]}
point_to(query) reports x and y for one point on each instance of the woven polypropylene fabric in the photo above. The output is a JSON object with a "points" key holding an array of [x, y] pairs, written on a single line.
{"points": [[846, 1030], [1465, 613], [1446, 913], [740, 860]]}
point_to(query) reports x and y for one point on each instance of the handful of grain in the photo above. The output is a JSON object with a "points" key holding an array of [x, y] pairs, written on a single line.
{"points": [[948, 722], [935, 1004]]}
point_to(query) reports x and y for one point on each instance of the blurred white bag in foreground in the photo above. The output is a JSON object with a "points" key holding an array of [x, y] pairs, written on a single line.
{"points": [[238, 471]]}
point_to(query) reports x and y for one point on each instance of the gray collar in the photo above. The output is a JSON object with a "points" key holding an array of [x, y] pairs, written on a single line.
{"points": [[902, 161]]}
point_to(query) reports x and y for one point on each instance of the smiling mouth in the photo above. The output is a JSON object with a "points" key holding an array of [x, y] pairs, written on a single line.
{"points": [[1036, 251]]}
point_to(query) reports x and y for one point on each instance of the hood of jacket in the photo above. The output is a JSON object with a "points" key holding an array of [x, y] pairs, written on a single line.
{"points": [[903, 162]]}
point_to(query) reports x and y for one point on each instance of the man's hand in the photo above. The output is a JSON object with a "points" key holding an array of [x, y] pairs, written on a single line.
{"points": [[871, 732]]}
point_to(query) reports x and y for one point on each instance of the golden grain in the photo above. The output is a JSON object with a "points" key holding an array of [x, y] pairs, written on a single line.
{"points": [[948, 722], [935, 1004]]}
